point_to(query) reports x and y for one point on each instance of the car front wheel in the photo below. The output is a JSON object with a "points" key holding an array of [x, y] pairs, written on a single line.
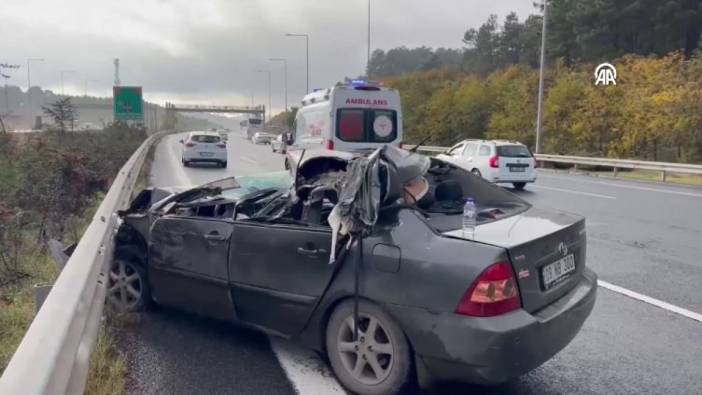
{"points": [[476, 172], [127, 288], [378, 361]]}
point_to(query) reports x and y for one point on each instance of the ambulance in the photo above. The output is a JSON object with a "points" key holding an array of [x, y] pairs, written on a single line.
{"points": [[353, 116]]}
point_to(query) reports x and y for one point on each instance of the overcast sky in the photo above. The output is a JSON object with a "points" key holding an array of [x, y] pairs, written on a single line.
{"points": [[208, 51]]}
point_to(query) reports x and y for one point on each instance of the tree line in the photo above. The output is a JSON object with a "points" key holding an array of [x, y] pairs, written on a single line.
{"points": [[654, 112], [488, 88], [579, 32]]}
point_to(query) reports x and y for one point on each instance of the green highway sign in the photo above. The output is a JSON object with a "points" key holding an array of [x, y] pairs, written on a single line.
{"points": [[128, 103]]}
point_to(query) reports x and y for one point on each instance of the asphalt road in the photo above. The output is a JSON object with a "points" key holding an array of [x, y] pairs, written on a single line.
{"points": [[645, 238]]}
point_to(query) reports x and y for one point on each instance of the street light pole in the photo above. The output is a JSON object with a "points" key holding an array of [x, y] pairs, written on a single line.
{"points": [[85, 88], [62, 74], [285, 71], [369, 41], [540, 105], [29, 60], [269, 93], [29, 85], [307, 41]]}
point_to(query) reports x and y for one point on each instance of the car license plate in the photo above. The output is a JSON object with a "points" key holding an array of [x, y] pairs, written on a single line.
{"points": [[515, 169], [206, 154], [556, 271]]}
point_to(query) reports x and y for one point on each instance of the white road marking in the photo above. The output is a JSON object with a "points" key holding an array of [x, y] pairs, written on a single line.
{"points": [[249, 160], [177, 165], [652, 301], [308, 374], [597, 195], [635, 187]]}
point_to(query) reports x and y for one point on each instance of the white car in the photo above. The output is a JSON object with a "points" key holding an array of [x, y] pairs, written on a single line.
{"points": [[205, 147], [498, 161], [261, 138]]}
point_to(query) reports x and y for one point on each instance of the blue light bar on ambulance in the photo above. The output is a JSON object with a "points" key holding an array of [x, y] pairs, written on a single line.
{"points": [[365, 85]]}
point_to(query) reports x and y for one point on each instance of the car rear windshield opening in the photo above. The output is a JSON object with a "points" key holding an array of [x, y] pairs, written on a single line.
{"points": [[366, 125], [513, 151], [205, 139]]}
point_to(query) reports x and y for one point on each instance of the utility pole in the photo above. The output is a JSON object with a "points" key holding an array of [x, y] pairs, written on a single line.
{"points": [[540, 105], [307, 40], [285, 77]]}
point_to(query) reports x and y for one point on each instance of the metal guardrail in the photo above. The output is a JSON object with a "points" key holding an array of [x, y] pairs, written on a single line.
{"points": [[54, 355], [615, 164]]}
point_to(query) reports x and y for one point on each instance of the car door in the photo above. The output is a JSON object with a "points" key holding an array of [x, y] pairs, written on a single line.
{"points": [[188, 264], [278, 272], [453, 154], [469, 160]]}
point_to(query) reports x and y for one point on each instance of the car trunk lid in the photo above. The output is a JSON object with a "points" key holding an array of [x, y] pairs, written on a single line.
{"points": [[535, 239]]}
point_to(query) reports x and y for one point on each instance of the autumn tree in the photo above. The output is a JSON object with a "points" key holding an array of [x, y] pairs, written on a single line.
{"points": [[61, 112]]}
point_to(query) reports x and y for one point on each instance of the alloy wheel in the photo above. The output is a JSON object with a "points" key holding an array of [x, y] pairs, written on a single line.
{"points": [[125, 287], [369, 358]]}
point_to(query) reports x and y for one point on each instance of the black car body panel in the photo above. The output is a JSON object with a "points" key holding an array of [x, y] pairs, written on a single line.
{"points": [[245, 250]]}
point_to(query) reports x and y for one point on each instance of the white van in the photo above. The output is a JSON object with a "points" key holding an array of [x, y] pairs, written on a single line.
{"points": [[355, 116]]}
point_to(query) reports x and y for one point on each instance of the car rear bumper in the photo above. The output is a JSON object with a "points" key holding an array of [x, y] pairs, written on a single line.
{"points": [[494, 350], [196, 157], [509, 181]]}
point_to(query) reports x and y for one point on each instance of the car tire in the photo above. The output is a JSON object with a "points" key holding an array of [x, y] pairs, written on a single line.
{"points": [[224, 164], [519, 185], [286, 164], [186, 163], [476, 172], [381, 364], [128, 287]]}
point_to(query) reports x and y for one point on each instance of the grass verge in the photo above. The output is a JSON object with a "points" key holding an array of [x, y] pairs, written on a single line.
{"points": [[654, 176]]}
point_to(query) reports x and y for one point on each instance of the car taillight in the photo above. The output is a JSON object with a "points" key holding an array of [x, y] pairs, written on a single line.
{"points": [[329, 144], [221, 145], [189, 144], [495, 161], [494, 292]]}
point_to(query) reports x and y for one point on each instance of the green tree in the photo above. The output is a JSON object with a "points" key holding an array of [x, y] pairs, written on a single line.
{"points": [[61, 112]]}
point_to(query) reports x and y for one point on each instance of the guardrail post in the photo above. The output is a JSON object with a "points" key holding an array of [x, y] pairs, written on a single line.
{"points": [[575, 167], [615, 170], [41, 291], [664, 175]]}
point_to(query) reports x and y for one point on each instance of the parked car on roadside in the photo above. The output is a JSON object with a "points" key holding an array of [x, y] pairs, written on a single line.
{"points": [[204, 147], [498, 161], [261, 138], [414, 297]]}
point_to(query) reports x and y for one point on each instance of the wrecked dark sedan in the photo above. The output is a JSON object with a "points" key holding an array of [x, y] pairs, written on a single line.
{"points": [[363, 258]]}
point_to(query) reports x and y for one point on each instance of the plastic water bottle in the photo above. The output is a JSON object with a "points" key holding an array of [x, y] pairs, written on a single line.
{"points": [[470, 215]]}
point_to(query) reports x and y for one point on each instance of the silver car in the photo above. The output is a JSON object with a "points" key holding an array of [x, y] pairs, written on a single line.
{"points": [[261, 138], [279, 144]]}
